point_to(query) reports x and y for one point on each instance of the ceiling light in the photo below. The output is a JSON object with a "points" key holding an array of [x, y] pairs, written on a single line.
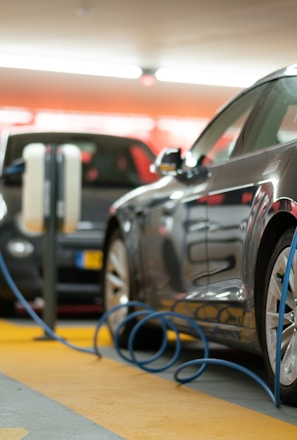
{"points": [[82, 67], [84, 11], [148, 78], [107, 123], [215, 77], [15, 116]]}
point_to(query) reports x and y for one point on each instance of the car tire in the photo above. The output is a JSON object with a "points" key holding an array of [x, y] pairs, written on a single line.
{"points": [[269, 320], [118, 288]]}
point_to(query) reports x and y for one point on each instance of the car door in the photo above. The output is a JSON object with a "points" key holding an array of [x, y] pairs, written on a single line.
{"points": [[214, 149], [173, 238], [244, 188], [245, 183], [174, 245]]}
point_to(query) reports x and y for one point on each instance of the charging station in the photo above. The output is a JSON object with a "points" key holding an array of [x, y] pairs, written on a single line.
{"points": [[51, 203], [37, 186]]}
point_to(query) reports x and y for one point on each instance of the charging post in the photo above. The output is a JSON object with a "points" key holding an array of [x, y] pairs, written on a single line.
{"points": [[50, 239], [51, 204]]}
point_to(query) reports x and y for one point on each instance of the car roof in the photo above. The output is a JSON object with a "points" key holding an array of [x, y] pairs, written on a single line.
{"points": [[27, 130], [290, 70]]}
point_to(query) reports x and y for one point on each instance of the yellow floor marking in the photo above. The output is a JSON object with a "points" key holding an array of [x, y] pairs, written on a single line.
{"points": [[15, 333], [123, 399], [13, 434]]}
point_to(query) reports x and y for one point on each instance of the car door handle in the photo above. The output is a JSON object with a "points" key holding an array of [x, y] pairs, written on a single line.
{"points": [[140, 212]]}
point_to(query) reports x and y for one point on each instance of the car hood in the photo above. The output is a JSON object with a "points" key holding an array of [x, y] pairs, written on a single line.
{"points": [[95, 203], [147, 195]]}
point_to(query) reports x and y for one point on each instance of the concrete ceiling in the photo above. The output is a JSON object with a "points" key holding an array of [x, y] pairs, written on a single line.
{"points": [[255, 36]]}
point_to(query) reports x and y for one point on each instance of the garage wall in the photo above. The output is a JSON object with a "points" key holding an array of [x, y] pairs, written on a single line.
{"points": [[163, 114]]}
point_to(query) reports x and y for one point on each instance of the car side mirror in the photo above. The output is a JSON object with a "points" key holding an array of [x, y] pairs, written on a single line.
{"points": [[168, 162]]}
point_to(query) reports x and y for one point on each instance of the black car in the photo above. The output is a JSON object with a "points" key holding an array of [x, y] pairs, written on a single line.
{"points": [[211, 238], [111, 166]]}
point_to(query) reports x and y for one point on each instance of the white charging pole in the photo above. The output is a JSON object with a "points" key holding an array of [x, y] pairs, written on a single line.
{"points": [[50, 203]]}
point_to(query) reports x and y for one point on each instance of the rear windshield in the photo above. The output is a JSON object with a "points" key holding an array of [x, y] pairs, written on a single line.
{"points": [[106, 160]]}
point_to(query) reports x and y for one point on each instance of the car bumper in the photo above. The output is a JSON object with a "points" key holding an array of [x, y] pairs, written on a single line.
{"points": [[77, 270]]}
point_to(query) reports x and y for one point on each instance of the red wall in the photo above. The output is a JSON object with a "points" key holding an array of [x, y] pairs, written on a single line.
{"points": [[162, 115]]}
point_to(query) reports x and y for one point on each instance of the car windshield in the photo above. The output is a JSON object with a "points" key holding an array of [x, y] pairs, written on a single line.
{"points": [[106, 160]]}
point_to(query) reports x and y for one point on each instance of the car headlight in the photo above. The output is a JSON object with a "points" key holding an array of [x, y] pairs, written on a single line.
{"points": [[19, 248]]}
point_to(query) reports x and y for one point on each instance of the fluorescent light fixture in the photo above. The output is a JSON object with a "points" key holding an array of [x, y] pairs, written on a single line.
{"points": [[13, 116], [181, 125], [215, 77], [113, 124], [82, 67]]}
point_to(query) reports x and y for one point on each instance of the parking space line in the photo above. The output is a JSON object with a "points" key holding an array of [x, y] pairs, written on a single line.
{"points": [[13, 434], [121, 398]]}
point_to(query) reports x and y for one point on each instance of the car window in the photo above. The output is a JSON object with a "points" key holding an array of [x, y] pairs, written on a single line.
{"points": [[142, 163], [218, 141], [112, 162], [277, 119], [114, 165], [117, 163], [288, 127]]}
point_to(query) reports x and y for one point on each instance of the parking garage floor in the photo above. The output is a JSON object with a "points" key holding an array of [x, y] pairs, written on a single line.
{"points": [[51, 391]]}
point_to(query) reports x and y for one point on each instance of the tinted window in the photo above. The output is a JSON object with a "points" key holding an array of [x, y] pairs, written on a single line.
{"points": [[218, 141], [276, 121], [106, 161]]}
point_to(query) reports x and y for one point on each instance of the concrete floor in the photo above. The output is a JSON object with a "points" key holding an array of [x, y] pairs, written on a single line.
{"points": [[50, 391]]}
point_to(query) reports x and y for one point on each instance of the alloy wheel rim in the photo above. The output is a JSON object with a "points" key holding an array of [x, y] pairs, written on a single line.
{"points": [[288, 365], [116, 283]]}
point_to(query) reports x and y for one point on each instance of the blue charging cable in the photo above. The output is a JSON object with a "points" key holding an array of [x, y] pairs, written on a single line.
{"points": [[166, 320], [281, 318], [167, 323], [32, 313]]}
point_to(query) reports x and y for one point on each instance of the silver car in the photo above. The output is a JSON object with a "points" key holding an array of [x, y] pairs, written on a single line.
{"points": [[211, 238]]}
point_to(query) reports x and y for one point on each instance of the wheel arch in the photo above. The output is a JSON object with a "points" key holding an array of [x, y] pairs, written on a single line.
{"points": [[116, 223], [281, 222], [112, 224]]}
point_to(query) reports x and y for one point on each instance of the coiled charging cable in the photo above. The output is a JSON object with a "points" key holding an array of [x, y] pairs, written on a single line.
{"points": [[166, 319], [166, 322]]}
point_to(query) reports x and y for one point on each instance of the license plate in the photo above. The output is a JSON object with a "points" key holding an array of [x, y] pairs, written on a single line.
{"points": [[89, 260]]}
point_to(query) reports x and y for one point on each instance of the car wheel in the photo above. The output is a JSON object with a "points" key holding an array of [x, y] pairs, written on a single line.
{"points": [[118, 289], [270, 315]]}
